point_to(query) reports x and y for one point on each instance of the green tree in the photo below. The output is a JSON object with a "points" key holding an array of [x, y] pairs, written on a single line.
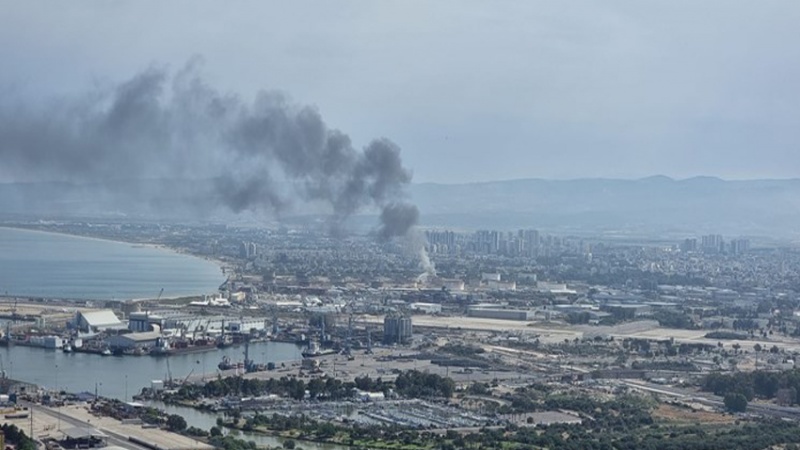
{"points": [[735, 402], [176, 423]]}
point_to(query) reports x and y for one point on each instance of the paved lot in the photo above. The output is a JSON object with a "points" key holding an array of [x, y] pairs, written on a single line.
{"points": [[47, 422]]}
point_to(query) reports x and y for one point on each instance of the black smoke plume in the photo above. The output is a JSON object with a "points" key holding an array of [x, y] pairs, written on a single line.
{"points": [[263, 154]]}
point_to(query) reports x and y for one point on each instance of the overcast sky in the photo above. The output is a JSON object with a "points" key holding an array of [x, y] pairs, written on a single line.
{"points": [[470, 91]]}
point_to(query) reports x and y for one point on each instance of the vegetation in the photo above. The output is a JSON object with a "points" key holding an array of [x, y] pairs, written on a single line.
{"points": [[759, 383], [411, 384], [230, 442], [285, 387], [735, 402], [764, 434], [17, 437], [726, 335], [176, 423], [416, 384], [622, 423]]}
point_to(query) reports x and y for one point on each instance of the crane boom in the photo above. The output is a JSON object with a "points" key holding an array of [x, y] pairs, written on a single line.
{"points": [[169, 373]]}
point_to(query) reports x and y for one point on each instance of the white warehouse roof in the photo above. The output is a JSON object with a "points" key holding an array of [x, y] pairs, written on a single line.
{"points": [[100, 318]]}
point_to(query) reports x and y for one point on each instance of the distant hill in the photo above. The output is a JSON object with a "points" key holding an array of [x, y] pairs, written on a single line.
{"points": [[655, 205]]}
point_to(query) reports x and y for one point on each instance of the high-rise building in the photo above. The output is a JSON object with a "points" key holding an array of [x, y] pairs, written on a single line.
{"points": [[531, 245], [713, 243], [738, 246], [441, 241], [248, 250]]}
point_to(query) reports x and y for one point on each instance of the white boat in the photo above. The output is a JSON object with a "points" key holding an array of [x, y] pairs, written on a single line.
{"points": [[66, 348], [106, 352]]}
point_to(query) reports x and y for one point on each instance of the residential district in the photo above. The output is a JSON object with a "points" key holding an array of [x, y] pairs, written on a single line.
{"points": [[449, 339]]}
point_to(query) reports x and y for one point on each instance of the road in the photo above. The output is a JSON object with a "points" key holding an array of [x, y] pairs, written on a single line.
{"points": [[113, 438], [705, 398]]}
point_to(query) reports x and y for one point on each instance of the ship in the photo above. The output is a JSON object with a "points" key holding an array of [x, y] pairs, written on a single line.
{"points": [[182, 347], [314, 350], [248, 365], [227, 364]]}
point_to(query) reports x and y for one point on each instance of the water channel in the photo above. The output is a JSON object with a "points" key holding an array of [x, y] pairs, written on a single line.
{"points": [[121, 377]]}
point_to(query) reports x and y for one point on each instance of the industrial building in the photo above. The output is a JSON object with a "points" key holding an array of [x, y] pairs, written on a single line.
{"points": [[191, 323], [501, 285], [627, 311], [502, 314], [453, 285], [96, 321], [426, 308], [397, 330], [130, 341]]}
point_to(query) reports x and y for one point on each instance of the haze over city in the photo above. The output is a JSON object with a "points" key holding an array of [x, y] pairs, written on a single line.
{"points": [[470, 91], [339, 225]]}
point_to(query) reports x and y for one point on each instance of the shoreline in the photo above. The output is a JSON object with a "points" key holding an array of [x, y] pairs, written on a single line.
{"points": [[222, 266]]}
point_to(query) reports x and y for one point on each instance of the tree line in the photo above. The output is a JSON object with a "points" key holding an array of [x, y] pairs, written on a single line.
{"points": [[782, 385], [410, 384]]}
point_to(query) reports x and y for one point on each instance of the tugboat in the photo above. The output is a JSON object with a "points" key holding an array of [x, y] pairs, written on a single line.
{"points": [[66, 348]]}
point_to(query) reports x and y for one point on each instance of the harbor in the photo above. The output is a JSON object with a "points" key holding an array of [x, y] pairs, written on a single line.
{"points": [[123, 377]]}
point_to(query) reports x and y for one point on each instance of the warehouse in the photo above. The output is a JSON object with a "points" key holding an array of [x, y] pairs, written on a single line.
{"points": [[95, 321], [130, 341]]}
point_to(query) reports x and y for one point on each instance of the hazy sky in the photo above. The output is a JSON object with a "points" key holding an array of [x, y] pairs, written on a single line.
{"points": [[469, 90]]}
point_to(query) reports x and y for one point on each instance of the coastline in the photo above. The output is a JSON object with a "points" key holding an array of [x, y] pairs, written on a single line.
{"points": [[222, 266]]}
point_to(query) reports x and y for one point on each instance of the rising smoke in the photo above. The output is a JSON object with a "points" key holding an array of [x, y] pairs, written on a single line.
{"points": [[265, 154]]}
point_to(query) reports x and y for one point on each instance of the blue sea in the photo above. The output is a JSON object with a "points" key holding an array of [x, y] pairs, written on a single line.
{"points": [[39, 264]]}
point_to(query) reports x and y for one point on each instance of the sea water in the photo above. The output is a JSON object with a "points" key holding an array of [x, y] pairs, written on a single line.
{"points": [[39, 264]]}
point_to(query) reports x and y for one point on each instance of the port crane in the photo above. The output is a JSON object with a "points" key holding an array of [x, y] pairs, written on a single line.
{"points": [[187, 376], [169, 374]]}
